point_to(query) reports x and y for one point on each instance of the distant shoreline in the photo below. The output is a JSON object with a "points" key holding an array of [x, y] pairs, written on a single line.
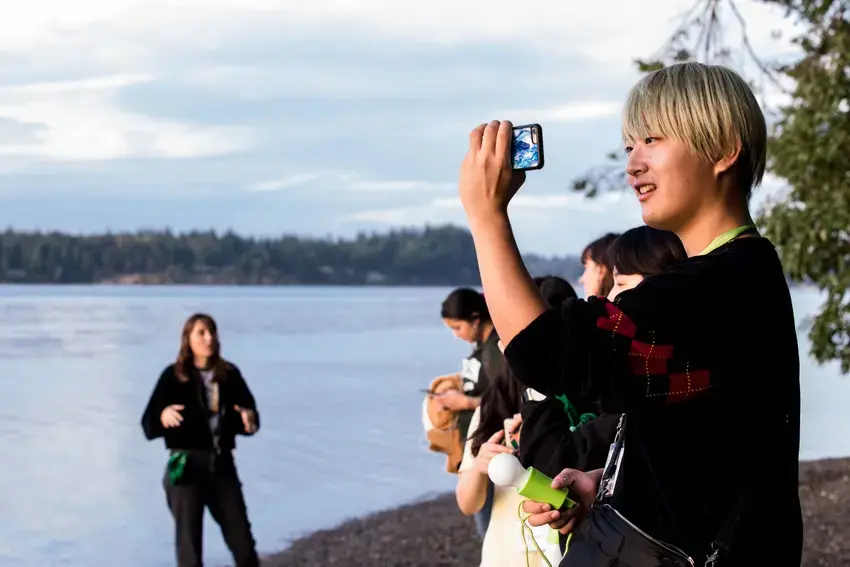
{"points": [[139, 281], [228, 284], [433, 532], [432, 256]]}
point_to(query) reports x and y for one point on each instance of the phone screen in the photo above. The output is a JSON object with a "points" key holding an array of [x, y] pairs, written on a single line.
{"points": [[511, 436], [527, 148]]}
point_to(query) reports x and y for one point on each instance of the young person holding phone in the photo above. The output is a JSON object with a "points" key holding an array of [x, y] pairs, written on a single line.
{"points": [[705, 469]]}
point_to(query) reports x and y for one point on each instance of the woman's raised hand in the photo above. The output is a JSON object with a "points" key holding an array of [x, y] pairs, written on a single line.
{"points": [[490, 449]]}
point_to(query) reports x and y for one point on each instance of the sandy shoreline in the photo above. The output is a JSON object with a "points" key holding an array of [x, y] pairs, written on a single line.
{"points": [[432, 533]]}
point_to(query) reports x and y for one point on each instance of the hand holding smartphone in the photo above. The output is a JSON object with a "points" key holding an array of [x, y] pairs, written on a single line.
{"points": [[512, 425], [527, 147]]}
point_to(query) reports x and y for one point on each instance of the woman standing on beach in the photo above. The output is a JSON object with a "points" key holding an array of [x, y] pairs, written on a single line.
{"points": [[198, 406]]}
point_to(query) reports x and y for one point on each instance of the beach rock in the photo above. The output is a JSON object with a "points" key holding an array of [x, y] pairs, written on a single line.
{"points": [[433, 533]]}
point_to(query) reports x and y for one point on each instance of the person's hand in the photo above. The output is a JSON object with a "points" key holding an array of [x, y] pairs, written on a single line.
{"points": [[248, 421], [487, 179], [170, 416], [488, 450], [582, 486], [454, 400]]}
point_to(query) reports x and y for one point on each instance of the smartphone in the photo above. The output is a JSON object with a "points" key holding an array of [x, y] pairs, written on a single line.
{"points": [[527, 147], [511, 438]]}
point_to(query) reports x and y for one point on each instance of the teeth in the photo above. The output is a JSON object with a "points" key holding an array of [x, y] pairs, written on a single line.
{"points": [[646, 189]]}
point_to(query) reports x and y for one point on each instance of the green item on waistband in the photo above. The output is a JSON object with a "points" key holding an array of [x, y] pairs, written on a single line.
{"points": [[176, 467]]}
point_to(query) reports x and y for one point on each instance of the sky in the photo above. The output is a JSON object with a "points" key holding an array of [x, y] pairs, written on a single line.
{"points": [[317, 118]]}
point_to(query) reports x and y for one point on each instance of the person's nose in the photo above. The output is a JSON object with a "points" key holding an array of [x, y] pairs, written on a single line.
{"points": [[636, 164]]}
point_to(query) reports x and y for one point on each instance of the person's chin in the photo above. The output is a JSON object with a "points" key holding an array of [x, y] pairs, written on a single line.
{"points": [[654, 218]]}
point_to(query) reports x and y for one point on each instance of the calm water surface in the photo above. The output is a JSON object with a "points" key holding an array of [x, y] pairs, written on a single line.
{"points": [[336, 372]]}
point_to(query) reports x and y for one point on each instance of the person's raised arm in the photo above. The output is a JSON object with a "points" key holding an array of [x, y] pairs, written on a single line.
{"points": [[487, 184]]}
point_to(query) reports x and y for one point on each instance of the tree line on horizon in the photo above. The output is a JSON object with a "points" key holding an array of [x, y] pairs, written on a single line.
{"points": [[431, 256]]}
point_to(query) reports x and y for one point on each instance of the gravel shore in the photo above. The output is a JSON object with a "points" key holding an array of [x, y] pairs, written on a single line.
{"points": [[433, 533]]}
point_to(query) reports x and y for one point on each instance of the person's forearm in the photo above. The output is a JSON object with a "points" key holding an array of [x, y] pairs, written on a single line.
{"points": [[512, 298], [471, 492], [472, 402]]}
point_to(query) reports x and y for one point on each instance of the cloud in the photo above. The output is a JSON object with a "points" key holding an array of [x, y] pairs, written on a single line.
{"points": [[572, 201], [90, 83], [285, 182], [551, 225], [14, 132], [347, 180], [317, 117], [79, 120], [449, 209]]}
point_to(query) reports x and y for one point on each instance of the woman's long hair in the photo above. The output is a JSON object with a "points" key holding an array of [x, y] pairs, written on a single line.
{"points": [[185, 367], [599, 252]]}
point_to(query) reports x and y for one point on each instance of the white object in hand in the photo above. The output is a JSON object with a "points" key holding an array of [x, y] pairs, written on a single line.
{"points": [[505, 470]]}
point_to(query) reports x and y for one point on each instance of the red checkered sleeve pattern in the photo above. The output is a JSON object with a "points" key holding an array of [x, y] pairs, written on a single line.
{"points": [[601, 350], [663, 371]]}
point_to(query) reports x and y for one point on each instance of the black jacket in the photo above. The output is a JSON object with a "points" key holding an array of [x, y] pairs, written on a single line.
{"points": [[703, 359], [194, 432], [547, 444]]}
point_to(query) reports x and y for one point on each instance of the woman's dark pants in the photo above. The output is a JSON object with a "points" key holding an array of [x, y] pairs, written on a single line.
{"points": [[210, 482]]}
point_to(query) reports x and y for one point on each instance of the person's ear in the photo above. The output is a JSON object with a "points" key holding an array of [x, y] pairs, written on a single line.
{"points": [[726, 162]]}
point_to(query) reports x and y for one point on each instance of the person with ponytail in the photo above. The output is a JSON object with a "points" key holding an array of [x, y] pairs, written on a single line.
{"points": [[505, 543], [465, 312]]}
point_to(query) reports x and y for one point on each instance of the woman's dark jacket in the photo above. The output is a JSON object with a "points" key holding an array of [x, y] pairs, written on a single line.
{"points": [[194, 432], [547, 443]]}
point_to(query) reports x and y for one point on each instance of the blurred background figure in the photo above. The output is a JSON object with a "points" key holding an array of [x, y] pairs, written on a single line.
{"points": [[199, 405]]}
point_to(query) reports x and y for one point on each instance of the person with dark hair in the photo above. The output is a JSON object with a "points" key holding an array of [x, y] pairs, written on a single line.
{"points": [[641, 252], [198, 406], [465, 312], [500, 410], [565, 433], [555, 290], [597, 278]]}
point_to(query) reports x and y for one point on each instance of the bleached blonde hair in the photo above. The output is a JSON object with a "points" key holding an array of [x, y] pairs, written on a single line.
{"points": [[708, 107]]}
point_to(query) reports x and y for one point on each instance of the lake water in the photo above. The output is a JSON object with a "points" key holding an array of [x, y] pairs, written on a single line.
{"points": [[336, 372]]}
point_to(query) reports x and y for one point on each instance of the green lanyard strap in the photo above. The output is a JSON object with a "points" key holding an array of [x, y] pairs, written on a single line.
{"points": [[727, 236], [576, 420]]}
